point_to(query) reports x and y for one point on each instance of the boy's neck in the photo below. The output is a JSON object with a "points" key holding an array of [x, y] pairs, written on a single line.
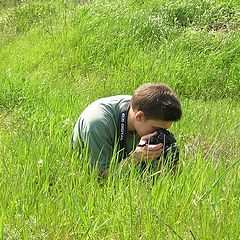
{"points": [[130, 120]]}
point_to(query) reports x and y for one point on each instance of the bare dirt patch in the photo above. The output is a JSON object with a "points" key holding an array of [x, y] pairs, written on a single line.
{"points": [[221, 26]]}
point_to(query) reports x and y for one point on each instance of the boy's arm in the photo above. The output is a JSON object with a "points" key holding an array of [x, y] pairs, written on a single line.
{"points": [[133, 159], [99, 150], [146, 153]]}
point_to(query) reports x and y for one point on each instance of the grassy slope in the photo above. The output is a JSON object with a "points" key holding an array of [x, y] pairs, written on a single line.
{"points": [[56, 58]]}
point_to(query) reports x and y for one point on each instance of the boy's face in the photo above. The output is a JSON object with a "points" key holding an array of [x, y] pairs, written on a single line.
{"points": [[144, 126]]}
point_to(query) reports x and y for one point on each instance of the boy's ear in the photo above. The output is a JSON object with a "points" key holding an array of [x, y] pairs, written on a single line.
{"points": [[139, 115]]}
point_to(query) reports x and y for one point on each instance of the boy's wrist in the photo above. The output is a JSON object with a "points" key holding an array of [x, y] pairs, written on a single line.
{"points": [[135, 157]]}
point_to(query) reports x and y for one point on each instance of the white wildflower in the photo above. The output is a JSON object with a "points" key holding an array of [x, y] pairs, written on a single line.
{"points": [[40, 161]]}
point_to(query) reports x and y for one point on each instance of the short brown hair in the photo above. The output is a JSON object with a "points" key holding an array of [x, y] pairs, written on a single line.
{"points": [[158, 102]]}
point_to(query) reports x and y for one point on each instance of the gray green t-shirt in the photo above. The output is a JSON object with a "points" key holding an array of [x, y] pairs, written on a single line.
{"points": [[98, 127]]}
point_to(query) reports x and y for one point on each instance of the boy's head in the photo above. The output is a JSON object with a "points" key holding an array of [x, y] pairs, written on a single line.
{"points": [[157, 101]]}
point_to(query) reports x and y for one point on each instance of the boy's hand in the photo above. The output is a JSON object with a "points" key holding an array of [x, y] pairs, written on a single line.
{"points": [[145, 152]]}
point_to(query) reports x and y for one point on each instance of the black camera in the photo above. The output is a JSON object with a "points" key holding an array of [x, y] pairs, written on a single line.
{"points": [[170, 153]]}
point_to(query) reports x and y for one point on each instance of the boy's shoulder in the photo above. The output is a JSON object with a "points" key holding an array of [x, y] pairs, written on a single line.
{"points": [[105, 109], [113, 99]]}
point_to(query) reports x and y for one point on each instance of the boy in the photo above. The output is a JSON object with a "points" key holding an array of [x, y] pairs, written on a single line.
{"points": [[125, 121]]}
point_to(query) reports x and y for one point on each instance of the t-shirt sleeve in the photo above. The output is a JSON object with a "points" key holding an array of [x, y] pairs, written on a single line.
{"points": [[97, 128], [99, 149]]}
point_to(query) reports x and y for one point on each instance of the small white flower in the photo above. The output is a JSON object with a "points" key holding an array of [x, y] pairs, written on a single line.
{"points": [[40, 161]]}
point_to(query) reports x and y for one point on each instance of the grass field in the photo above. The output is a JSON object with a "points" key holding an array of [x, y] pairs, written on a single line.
{"points": [[56, 57]]}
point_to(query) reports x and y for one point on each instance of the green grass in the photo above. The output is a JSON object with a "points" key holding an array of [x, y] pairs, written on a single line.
{"points": [[56, 57]]}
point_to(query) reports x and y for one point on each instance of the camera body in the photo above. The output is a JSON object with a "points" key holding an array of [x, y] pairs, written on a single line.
{"points": [[170, 149], [170, 153]]}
